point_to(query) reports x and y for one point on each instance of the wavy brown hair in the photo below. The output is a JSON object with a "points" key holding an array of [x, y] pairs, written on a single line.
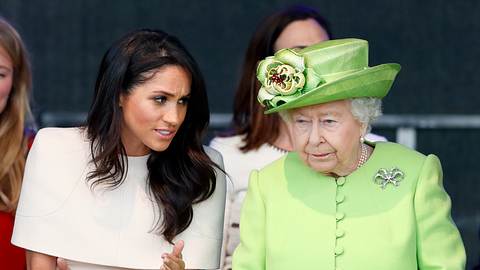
{"points": [[178, 177], [248, 115], [12, 119]]}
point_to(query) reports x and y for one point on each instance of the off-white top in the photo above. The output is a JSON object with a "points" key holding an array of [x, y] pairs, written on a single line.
{"points": [[238, 165], [59, 214]]}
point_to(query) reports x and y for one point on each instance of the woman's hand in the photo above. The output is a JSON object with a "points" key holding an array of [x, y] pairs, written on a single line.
{"points": [[174, 261], [62, 264], [40, 261]]}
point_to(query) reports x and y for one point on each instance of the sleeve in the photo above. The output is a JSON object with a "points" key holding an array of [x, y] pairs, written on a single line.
{"points": [[225, 262], [439, 245], [250, 254], [206, 228], [48, 182], [214, 144], [226, 224], [47, 179]]}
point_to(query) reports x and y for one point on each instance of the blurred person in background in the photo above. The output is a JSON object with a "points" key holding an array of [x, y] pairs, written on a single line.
{"points": [[15, 86]]}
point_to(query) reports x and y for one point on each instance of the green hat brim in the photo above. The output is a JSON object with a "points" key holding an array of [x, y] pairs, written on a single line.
{"points": [[370, 82]]}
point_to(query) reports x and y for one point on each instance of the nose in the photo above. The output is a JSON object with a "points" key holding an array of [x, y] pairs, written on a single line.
{"points": [[172, 116], [316, 134]]}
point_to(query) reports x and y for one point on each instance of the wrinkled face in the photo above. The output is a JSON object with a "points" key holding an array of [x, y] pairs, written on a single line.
{"points": [[154, 111], [6, 78], [327, 137], [300, 34]]}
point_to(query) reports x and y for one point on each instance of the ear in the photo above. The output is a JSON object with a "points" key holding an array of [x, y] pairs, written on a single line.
{"points": [[363, 129]]}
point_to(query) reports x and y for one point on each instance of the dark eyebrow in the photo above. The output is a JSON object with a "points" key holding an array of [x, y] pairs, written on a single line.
{"points": [[168, 94]]}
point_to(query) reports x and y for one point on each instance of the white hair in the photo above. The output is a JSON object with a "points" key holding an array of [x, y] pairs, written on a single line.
{"points": [[285, 115], [366, 110]]}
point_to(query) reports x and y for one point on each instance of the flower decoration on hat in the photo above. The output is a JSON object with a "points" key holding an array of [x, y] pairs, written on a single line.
{"points": [[284, 77]]}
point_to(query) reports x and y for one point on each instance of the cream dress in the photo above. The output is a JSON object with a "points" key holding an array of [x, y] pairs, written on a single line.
{"points": [[60, 215]]}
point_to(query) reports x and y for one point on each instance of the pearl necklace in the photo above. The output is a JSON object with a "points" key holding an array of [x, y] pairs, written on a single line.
{"points": [[278, 149], [363, 155]]}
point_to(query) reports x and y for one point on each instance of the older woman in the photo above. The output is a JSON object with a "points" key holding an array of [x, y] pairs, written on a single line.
{"points": [[256, 139], [338, 201]]}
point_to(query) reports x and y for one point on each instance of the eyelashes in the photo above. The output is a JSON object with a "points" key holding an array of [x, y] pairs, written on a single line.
{"points": [[164, 99], [184, 100], [160, 99]]}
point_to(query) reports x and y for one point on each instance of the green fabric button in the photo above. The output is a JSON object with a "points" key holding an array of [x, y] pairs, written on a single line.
{"points": [[338, 250], [339, 233], [339, 216], [340, 198], [340, 181]]}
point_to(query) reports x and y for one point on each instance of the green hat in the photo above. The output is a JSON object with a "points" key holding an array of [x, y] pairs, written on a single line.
{"points": [[328, 71]]}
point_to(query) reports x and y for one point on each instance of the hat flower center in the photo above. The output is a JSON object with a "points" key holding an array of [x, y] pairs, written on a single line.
{"points": [[284, 76], [284, 79]]}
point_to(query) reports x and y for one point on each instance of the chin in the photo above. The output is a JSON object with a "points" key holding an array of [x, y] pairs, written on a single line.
{"points": [[159, 147], [321, 168]]}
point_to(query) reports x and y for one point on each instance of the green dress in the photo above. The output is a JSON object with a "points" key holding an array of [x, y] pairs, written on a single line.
{"points": [[296, 218]]}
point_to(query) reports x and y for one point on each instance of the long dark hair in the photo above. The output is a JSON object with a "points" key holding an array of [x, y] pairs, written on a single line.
{"points": [[248, 114], [178, 177]]}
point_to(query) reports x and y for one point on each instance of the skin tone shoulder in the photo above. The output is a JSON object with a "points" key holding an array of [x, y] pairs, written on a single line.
{"points": [[6, 78], [327, 137]]}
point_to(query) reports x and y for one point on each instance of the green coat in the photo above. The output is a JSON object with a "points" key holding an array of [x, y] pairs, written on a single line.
{"points": [[296, 218]]}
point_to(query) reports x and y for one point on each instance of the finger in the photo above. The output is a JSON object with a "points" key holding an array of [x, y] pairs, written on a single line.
{"points": [[176, 260], [62, 264], [173, 263], [165, 267], [178, 248]]}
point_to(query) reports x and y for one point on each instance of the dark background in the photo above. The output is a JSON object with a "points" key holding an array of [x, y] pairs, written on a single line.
{"points": [[436, 41]]}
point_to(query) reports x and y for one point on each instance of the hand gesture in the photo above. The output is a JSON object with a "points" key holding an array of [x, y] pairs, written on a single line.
{"points": [[62, 264], [173, 260]]}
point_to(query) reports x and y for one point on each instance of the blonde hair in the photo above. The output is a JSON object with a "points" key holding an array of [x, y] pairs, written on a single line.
{"points": [[12, 120]]}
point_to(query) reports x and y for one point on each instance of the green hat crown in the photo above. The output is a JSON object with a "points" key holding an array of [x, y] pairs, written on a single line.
{"points": [[328, 71]]}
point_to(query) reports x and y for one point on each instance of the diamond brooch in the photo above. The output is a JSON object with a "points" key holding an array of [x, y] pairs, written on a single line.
{"points": [[384, 176]]}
